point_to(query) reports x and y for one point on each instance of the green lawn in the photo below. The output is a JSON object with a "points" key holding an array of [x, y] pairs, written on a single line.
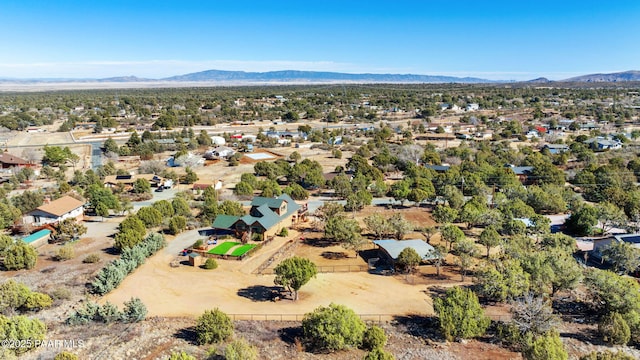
{"points": [[223, 248], [241, 250]]}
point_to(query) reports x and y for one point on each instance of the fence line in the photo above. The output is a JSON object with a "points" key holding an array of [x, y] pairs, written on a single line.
{"points": [[330, 269], [379, 318]]}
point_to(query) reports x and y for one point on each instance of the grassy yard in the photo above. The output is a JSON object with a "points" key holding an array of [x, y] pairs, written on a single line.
{"points": [[223, 248], [241, 250]]}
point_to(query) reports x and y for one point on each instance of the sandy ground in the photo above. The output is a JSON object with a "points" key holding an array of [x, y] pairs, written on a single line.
{"points": [[188, 291]]}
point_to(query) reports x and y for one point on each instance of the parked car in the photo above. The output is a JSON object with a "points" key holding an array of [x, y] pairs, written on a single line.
{"points": [[160, 189]]}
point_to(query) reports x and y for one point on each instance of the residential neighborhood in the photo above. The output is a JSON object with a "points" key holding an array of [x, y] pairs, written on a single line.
{"points": [[136, 220]]}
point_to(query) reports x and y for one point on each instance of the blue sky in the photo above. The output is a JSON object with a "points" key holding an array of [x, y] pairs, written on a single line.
{"points": [[490, 39]]}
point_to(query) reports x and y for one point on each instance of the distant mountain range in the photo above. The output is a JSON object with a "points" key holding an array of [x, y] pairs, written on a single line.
{"points": [[632, 75], [316, 77]]}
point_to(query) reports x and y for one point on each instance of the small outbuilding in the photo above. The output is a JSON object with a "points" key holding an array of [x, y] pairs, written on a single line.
{"points": [[391, 249], [195, 259], [38, 238]]}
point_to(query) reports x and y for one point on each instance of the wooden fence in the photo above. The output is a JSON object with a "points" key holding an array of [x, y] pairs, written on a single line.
{"points": [[330, 269]]}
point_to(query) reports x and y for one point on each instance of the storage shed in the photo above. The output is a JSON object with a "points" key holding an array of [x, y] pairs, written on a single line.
{"points": [[195, 259]]}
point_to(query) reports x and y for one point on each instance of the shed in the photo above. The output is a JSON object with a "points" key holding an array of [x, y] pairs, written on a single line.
{"points": [[38, 238], [391, 249], [195, 259]]}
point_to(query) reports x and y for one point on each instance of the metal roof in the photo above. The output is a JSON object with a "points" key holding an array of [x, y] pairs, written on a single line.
{"points": [[395, 247], [36, 235], [224, 221]]}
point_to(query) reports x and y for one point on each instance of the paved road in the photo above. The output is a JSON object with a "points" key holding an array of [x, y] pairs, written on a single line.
{"points": [[96, 155], [168, 194]]}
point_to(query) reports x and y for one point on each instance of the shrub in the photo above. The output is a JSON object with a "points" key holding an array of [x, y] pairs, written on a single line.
{"points": [[65, 253], [20, 256], [37, 301], [65, 355], [108, 313], [374, 337], [460, 314], [213, 326], [181, 356], [134, 311], [61, 294], [91, 259], [546, 347], [378, 354], [210, 264], [240, 349], [332, 328], [607, 355], [198, 243], [22, 328], [177, 224], [283, 232], [17, 296], [614, 329]]}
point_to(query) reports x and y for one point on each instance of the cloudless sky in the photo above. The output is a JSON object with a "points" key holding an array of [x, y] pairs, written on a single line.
{"points": [[506, 39]]}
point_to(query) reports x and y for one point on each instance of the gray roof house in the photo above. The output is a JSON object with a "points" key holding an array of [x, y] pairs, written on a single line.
{"points": [[556, 148]]}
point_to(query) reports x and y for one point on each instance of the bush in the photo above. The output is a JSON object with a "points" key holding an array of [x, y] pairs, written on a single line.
{"points": [[108, 313], [91, 259], [374, 337], [240, 349], [460, 314], [37, 301], [134, 311], [378, 354], [607, 355], [177, 224], [283, 232], [61, 294], [198, 244], [213, 326], [614, 329], [20, 256], [332, 328], [546, 347], [17, 296], [22, 328], [65, 253], [210, 264], [65, 355], [511, 336], [181, 356]]}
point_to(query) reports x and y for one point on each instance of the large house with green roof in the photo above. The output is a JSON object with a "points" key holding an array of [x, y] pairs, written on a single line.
{"points": [[266, 217]]}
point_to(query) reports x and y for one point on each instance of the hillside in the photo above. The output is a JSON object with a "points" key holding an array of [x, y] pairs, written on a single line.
{"points": [[632, 75]]}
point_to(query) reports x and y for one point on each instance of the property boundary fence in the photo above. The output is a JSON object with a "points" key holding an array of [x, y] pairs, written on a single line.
{"points": [[374, 318], [379, 318], [330, 269]]}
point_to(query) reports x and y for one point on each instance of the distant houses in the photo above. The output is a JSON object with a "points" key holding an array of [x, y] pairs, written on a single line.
{"points": [[128, 180], [8, 161], [555, 149], [602, 143]]}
